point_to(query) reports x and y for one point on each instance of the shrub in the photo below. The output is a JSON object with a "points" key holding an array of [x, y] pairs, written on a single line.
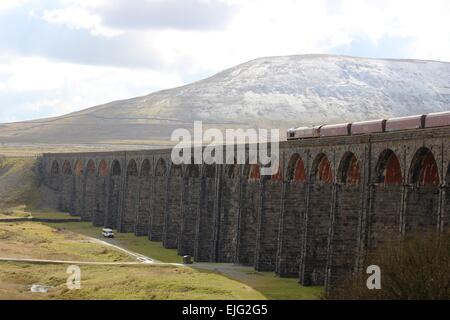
{"points": [[416, 269]]}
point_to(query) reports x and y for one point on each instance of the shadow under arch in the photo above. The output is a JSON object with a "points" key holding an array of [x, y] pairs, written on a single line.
{"points": [[424, 170], [191, 190], [145, 168], [54, 170], [388, 170], [77, 201], [79, 168], [347, 217], [116, 169], [101, 196], [252, 172], [349, 171], [422, 195], [145, 200], [103, 169], [132, 168], [172, 217], [445, 221], [192, 170], [65, 198], [296, 169], [160, 169], [90, 168], [317, 222], [88, 212], [131, 194], [248, 215], [67, 168], [225, 248], [321, 170], [204, 248], [386, 194], [114, 194], [291, 225], [156, 220]]}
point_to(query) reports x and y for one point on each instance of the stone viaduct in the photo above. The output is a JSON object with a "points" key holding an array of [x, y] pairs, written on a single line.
{"points": [[332, 200]]}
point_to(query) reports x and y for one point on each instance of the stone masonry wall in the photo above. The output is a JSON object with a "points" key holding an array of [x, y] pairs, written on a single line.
{"points": [[316, 225]]}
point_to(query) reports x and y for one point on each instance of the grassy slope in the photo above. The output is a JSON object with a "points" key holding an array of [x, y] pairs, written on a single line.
{"points": [[266, 283], [113, 282], [129, 241], [19, 186], [30, 240]]}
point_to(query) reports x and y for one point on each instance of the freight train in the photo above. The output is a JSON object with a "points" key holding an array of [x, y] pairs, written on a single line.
{"points": [[432, 120]]}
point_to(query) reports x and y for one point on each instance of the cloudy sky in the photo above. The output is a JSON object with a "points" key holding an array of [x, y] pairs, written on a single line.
{"points": [[58, 56]]}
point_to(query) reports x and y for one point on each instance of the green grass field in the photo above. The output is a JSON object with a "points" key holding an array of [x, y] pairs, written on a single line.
{"points": [[269, 285], [115, 282]]}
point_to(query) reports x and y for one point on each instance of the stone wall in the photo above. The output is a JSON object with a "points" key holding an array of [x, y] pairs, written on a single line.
{"points": [[332, 200]]}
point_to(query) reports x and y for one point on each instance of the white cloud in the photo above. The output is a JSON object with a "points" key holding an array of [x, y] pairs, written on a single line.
{"points": [[77, 17], [8, 4], [256, 28], [56, 88]]}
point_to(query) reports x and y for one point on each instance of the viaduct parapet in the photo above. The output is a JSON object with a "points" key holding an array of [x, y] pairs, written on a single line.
{"points": [[332, 201]]}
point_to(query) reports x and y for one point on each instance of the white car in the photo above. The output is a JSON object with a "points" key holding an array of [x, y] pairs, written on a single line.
{"points": [[108, 233]]}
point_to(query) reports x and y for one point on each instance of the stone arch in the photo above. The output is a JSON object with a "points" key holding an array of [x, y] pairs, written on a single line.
{"points": [[388, 170], [422, 197], [172, 218], [103, 169], [346, 218], [321, 169], [268, 209], [176, 170], [55, 168], [144, 201], [114, 194], [349, 169], [248, 217], [145, 168], [131, 193], [156, 223], [232, 171], [191, 190], [101, 194], [209, 171], [229, 213], [67, 168], [314, 260], [79, 168], [424, 170], [203, 250], [65, 202], [278, 175], [160, 169], [253, 172], [291, 224], [116, 169], [132, 169], [386, 200], [77, 195], [296, 169], [446, 210], [89, 210], [90, 168], [447, 176], [192, 171]]}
